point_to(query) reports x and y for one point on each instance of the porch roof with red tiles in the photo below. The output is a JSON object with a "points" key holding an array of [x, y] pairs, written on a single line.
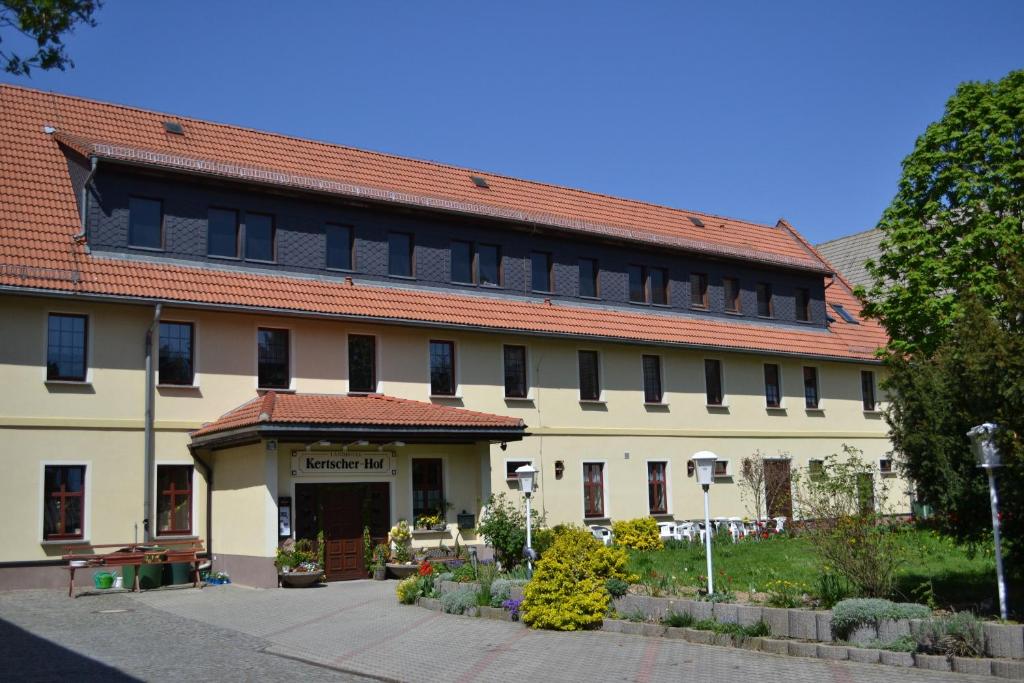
{"points": [[39, 217], [354, 412]]}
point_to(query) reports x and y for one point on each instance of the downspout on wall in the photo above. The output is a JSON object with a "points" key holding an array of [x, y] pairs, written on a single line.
{"points": [[150, 446]]}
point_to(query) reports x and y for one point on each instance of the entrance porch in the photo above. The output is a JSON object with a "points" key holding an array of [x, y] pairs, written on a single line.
{"points": [[329, 467]]}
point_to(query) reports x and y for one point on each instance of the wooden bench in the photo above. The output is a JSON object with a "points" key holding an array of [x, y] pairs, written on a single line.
{"points": [[134, 555]]}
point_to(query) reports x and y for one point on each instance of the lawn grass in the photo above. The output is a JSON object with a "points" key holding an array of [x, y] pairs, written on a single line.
{"points": [[958, 577]]}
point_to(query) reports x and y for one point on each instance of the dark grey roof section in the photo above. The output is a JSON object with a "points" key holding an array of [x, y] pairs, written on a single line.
{"points": [[849, 254]]}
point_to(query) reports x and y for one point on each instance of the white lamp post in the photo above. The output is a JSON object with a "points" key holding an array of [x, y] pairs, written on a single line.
{"points": [[984, 446], [704, 462], [526, 474]]}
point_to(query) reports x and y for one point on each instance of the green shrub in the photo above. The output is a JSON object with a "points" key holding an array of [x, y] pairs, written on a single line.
{"points": [[616, 587], [831, 589], [758, 630], [637, 534], [959, 635], [568, 590], [783, 593], [503, 526], [464, 573], [637, 615], [444, 576], [457, 602], [501, 590], [408, 590], [901, 644], [847, 615], [678, 619]]}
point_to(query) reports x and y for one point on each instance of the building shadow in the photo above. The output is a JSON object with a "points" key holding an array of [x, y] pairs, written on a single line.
{"points": [[27, 657]]}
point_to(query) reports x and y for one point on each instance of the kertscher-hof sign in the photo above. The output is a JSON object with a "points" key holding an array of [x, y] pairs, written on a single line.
{"points": [[337, 463]]}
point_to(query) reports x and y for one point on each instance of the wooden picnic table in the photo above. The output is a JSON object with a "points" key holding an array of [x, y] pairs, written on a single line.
{"points": [[134, 555]]}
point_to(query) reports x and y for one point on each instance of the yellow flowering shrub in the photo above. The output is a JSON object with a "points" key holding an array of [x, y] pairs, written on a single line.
{"points": [[567, 592], [639, 534]]}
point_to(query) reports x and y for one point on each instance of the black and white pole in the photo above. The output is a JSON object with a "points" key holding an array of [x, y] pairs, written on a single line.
{"points": [[526, 475], [704, 463], [984, 446]]}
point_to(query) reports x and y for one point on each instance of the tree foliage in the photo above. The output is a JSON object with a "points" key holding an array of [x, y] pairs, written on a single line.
{"points": [[955, 221], [43, 24]]}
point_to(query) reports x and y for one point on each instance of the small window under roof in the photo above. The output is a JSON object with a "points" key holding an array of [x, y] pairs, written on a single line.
{"points": [[696, 221], [174, 127], [844, 314], [479, 182]]}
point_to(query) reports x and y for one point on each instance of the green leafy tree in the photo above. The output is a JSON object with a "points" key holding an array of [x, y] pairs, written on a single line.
{"points": [[503, 526], [43, 24], [955, 221]]}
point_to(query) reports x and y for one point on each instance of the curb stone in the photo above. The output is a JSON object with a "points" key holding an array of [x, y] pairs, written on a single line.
{"points": [[1004, 640], [675, 633], [800, 649], [896, 658], [775, 647], [752, 643], [1008, 669], [803, 625], [698, 637], [724, 613], [748, 615], [824, 620], [889, 630], [864, 655], [838, 652], [777, 619], [972, 665]]}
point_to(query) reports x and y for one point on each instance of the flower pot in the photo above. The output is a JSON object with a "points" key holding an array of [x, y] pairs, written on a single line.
{"points": [[380, 573], [300, 579]]}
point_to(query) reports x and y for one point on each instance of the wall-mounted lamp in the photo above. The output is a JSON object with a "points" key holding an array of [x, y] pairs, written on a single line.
{"points": [[318, 443], [360, 442], [394, 444], [504, 446], [559, 469]]}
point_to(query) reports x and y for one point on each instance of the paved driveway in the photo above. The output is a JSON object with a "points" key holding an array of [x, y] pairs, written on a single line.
{"points": [[347, 631]]}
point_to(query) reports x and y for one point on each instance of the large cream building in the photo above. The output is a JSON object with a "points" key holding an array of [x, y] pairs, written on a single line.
{"points": [[341, 339]]}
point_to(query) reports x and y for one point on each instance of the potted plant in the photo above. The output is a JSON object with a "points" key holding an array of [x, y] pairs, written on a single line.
{"points": [[381, 553], [434, 522], [297, 564]]}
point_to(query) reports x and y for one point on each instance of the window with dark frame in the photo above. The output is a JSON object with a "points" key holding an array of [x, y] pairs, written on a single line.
{"points": [[590, 380], [63, 502], [176, 365], [66, 347], [272, 348], [772, 386], [885, 465], [259, 237], [721, 468], [867, 390], [362, 363], [442, 368], [339, 247], [511, 466], [657, 286], [462, 262], [488, 265], [540, 271], [174, 499], [222, 233], [593, 489], [427, 487], [145, 223], [731, 291], [713, 381], [764, 300], [588, 278], [516, 384], [400, 254], [803, 304], [637, 284], [657, 488], [698, 290], [652, 379], [811, 397]]}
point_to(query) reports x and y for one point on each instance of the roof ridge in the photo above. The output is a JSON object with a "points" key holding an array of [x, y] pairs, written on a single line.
{"points": [[267, 406], [389, 155]]}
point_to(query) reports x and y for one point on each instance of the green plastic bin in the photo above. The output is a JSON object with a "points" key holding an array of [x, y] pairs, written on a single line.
{"points": [[150, 576], [177, 573]]}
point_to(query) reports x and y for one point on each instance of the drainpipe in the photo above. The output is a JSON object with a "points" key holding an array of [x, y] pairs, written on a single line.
{"points": [[150, 452], [84, 204]]}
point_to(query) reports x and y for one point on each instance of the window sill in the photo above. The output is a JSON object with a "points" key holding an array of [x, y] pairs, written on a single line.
{"points": [[872, 413], [766, 317], [340, 270], [66, 541], [590, 298], [775, 409], [193, 387], [594, 520], [736, 313], [176, 537], [804, 322], [815, 411], [402, 277], [519, 399], [717, 406], [541, 291], [656, 404], [276, 390], [261, 261], [69, 382], [699, 308], [224, 257], [430, 532], [141, 248], [445, 397], [593, 401]]}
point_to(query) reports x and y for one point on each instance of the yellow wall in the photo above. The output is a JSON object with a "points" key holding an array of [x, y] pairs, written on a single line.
{"points": [[102, 421]]}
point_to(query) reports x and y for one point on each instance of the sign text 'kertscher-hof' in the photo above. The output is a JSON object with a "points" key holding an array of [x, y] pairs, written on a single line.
{"points": [[337, 463]]}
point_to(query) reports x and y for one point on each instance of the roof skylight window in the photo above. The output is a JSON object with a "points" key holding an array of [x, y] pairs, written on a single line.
{"points": [[844, 314], [479, 182], [174, 127], [696, 221]]}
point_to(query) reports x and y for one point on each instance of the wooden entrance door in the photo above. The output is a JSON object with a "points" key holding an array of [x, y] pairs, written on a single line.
{"points": [[341, 511], [778, 488]]}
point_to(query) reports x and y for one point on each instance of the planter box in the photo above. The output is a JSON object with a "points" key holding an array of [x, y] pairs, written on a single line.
{"points": [[932, 662], [613, 625], [864, 634], [724, 613], [676, 633], [895, 658], [824, 620], [863, 655], [837, 652], [497, 613], [699, 637], [701, 610], [889, 631], [973, 665], [429, 603], [299, 579], [1004, 640], [722, 639], [401, 571], [1005, 668], [777, 619], [747, 615], [798, 649], [775, 647], [803, 625], [751, 644]]}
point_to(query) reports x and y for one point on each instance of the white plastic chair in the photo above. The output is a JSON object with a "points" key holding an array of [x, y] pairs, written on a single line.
{"points": [[601, 533], [780, 524], [667, 530], [686, 531]]}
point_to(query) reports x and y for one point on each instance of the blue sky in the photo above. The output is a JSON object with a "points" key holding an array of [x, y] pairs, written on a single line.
{"points": [[749, 109]]}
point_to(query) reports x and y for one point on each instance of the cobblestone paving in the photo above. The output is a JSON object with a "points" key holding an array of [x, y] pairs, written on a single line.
{"points": [[359, 627]]}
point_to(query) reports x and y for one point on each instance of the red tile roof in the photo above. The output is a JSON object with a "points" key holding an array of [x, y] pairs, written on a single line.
{"points": [[38, 217], [356, 411]]}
